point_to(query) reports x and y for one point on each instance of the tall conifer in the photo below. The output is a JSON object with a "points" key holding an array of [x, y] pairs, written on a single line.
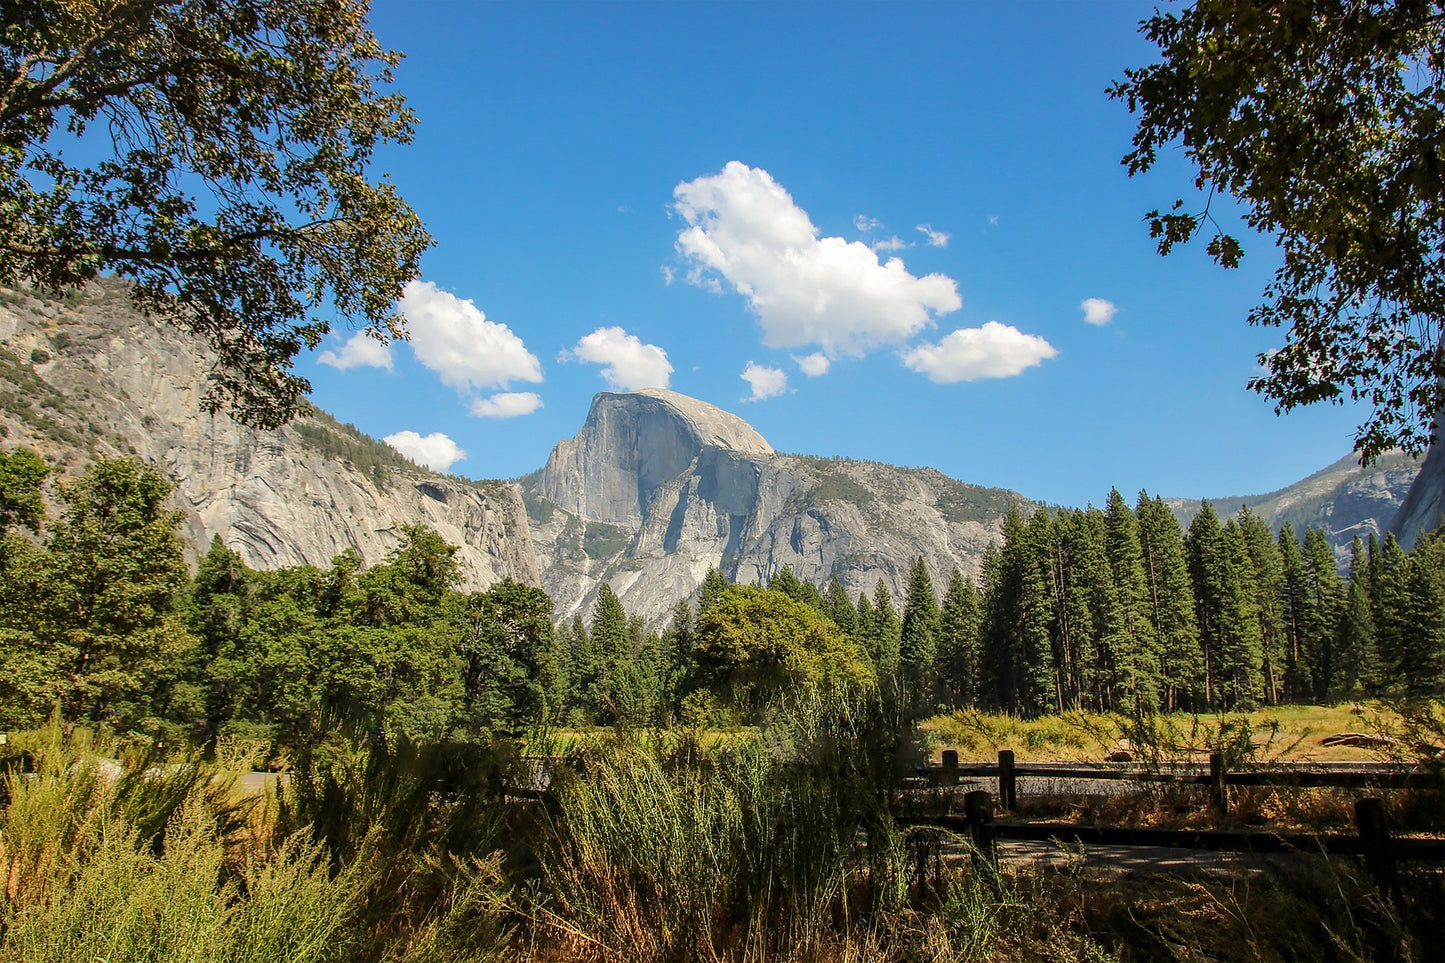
{"points": [[1171, 605], [918, 639]]}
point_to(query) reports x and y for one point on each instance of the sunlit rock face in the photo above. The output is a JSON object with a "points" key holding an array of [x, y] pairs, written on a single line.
{"points": [[658, 487], [1423, 510], [117, 384]]}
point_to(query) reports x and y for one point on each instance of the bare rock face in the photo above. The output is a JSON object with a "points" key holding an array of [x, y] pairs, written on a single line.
{"points": [[1343, 500], [633, 443], [657, 488], [1423, 510], [113, 383]]}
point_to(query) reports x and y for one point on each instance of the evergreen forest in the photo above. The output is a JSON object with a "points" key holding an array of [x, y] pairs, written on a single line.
{"points": [[1112, 610]]}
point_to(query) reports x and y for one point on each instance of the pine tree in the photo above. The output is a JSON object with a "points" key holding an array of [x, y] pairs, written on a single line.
{"points": [[786, 582], [1241, 643], [1171, 605], [993, 689], [1358, 666], [1325, 602], [1422, 641], [1269, 599], [1018, 646], [1131, 636], [584, 674], [958, 642], [677, 648], [1208, 573], [1390, 610], [867, 637], [1298, 672], [918, 641], [888, 632], [713, 586], [838, 607]]}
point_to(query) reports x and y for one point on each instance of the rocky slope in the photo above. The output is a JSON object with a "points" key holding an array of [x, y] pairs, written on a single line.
{"points": [[1424, 507], [1343, 499], [85, 375], [657, 487]]}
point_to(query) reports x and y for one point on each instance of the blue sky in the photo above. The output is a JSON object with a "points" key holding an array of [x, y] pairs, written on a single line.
{"points": [[918, 198]]}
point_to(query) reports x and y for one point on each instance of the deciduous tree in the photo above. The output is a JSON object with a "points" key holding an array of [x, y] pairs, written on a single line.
{"points": [[228, 151], [1325, 119]]}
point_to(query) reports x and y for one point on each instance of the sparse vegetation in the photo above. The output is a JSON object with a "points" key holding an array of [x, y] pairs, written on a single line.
{"points": [[327, 436], [601, 540]]}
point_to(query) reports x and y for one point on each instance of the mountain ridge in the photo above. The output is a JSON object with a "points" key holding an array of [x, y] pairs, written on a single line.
{"points": [[652, 491]]}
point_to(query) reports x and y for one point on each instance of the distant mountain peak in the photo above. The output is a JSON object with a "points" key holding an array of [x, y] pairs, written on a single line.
{"points": [[712, 426]]}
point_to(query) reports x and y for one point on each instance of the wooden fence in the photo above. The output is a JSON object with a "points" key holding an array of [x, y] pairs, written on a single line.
{"points": [[1218, 777], [1382, 851]]}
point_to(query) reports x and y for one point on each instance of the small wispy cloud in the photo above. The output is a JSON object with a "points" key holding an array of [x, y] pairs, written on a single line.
{"points": [[813, 365], [1097, 311], [889, 245], [935, 238], [765, 382], [864, 223], [361, 350], [507, 404]]}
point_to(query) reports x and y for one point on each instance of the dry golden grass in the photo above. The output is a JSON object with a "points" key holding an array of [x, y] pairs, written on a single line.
{"points": [[1274, 734]]}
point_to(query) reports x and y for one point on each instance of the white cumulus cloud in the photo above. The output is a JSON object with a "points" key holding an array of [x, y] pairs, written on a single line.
{"points": [[814, 364], [968, 354], [628, 364], [436, 451], [452, 337], [744, 229], [1097, 311], [507, 404], [935, 238], [765, 382], [360, 350]]}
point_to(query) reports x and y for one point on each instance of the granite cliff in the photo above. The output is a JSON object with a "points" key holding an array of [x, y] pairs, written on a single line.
{"points": [[84, 376], [655, 489], [658, 487]]}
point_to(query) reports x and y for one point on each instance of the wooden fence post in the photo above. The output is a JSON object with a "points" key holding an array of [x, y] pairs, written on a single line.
{"points": [[1007, 782], [978, 811], [1219, 789], [1374, 832]]}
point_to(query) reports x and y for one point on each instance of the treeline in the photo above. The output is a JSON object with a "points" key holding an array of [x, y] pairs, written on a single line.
{"points": [[1120, 609], [1113, 609], [101, 619]]}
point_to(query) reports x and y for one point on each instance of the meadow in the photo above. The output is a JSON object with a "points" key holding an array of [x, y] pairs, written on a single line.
{"points": [[779, 843]]}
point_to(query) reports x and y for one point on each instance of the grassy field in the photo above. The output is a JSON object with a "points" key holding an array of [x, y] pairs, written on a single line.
{"points": [[1279, 733], [771, 845]]}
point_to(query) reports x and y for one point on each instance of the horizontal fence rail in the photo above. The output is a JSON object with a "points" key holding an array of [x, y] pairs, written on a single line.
{"points": [[1218, 776]]}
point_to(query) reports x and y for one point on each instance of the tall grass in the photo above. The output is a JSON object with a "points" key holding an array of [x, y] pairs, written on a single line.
{"points": [[101, 863], [681, 854], [778, 847]]}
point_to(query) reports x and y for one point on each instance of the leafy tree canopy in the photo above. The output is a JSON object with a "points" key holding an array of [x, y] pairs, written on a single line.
{"points": [[232, 143], [758, 643], [1326, 119]]}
